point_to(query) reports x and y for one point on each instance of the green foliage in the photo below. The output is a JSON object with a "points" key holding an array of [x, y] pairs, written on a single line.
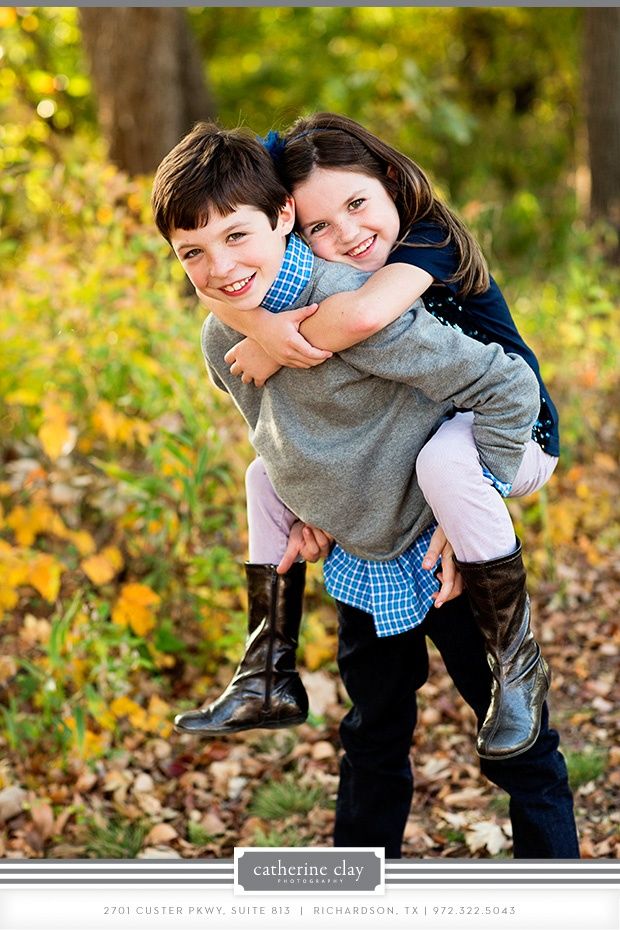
{"points": [[288, 837], [486, 99], [197, 834], [280, 799], [119, 839], [585, 766]]}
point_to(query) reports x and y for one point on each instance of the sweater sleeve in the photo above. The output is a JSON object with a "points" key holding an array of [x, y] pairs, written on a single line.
{"points": [[447, 366]]}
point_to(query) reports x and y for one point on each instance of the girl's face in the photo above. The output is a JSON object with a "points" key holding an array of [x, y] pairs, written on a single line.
{"points": [[347, 216]]}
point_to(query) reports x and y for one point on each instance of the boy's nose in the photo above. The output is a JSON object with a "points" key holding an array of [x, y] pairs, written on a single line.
{"points": [[218, 267]]}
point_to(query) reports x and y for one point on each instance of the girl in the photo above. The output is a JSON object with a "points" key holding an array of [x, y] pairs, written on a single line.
{"points": [[361, 202]]}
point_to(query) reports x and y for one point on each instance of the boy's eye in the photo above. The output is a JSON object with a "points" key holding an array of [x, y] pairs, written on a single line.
{"points": [[191, 253], [235, 237], [318, 228], [357, 203]]}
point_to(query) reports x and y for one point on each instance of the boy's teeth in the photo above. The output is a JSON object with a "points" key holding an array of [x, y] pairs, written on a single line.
{"points": [[237, 285], [361, 247]]}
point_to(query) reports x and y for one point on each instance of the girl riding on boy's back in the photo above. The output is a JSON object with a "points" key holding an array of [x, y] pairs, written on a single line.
{"points": [[361, 202], [341, 443]]}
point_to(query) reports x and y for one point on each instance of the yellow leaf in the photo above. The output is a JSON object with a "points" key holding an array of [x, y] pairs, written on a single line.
{"points": [[24, 397], [28, 522], [133, 608], [56, 435], [125, 707], [105, 215], [103, 567], [157, 707], [83, 541], [44, 575], [7, 16], [23, 525]]}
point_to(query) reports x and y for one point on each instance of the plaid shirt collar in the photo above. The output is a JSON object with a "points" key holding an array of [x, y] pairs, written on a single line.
{"points": [[294, 274]]}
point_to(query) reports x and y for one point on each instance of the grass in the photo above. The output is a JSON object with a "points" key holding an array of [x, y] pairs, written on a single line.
{"points": [[280, 799], [585, 766], [286, 837], [117, 840]]}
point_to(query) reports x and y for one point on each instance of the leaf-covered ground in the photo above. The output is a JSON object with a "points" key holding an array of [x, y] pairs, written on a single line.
{"points": [[153, 792]]}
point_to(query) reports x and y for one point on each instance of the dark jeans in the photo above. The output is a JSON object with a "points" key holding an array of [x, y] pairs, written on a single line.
{"points": [[381, 676]]}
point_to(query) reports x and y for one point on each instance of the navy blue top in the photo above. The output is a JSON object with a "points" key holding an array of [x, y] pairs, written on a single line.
{"points": [[484, 317]]}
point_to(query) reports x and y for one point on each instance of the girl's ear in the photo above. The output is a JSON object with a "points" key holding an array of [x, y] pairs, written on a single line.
{"points": [[286, 220]]}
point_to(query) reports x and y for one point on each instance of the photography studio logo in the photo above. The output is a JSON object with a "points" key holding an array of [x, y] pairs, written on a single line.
{"points": [[259, 870]]}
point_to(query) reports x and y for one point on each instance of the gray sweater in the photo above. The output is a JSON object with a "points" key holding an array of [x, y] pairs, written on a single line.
{"points": [[339, 441]]}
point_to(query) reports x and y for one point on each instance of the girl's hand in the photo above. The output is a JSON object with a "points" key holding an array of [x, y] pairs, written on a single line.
{"points": [[280, 337], [451, 580], [306, 541], [250, 362]]}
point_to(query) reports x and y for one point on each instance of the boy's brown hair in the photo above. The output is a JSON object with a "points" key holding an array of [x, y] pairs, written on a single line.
{"points": [[214, 169]]}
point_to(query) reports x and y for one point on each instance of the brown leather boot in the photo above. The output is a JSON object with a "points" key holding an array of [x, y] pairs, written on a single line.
{"points": [[501, 607], [266, 690]]}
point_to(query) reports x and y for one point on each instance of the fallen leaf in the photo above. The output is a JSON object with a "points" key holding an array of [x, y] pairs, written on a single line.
{"points": [[486, 835], [43, 818], [44, 575], [161, 834], [11, 802]]}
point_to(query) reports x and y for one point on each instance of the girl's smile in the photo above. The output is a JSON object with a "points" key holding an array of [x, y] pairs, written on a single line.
{"points": [[347, 216]]}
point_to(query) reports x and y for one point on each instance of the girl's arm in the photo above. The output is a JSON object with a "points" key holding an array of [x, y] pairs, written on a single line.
{"points": [[343, 320], [277, 333]]}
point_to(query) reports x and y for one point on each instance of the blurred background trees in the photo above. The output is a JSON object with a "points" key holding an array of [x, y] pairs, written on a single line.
{"points": [[148, 79], [510, 109]]}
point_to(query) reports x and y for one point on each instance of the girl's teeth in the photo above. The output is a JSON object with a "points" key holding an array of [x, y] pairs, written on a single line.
{"points": [[362, 247]]}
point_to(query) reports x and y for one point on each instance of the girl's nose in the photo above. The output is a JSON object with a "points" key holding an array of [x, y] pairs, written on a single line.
{"points": [[347, 229]]}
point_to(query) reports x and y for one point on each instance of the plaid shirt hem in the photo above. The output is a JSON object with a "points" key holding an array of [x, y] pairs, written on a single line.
{"points": [[396, 592]]}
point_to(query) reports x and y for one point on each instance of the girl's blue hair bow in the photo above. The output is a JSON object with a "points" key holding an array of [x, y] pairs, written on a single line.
{"points": [[274, 143]]}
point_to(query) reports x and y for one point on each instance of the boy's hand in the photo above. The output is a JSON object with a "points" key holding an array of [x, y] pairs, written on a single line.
{"points": [[306, 541], [280, 337], [450, 578], [250, 361]]}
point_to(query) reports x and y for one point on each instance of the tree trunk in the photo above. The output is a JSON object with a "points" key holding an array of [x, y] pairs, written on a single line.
{"points": [[148, 79], [602, 78]]}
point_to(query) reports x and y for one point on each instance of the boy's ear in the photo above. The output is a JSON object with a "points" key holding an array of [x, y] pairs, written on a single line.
{"points": [[286, 220]]}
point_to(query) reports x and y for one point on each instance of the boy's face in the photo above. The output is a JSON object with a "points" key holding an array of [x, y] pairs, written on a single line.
{"points": [[235, 258]]}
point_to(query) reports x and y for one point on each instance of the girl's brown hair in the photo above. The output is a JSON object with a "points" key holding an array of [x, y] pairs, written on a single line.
{"points": [[327, 140]]}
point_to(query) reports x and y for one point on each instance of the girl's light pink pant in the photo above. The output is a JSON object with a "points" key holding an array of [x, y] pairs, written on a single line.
{"points": [[470, 511]]}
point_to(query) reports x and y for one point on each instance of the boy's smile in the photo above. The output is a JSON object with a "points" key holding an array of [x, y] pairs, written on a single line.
{"points": [[235, 258], [347, 216]]}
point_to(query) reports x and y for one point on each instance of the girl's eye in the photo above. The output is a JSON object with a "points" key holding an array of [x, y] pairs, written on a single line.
{"points": [[355, 204], [318, 228]]}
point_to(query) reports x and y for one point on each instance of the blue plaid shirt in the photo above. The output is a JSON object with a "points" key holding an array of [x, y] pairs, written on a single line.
{"points": [[396, 592], [295, 272]]}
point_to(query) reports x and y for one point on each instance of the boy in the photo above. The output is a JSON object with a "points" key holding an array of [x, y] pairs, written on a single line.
{"points": [[339, 443]]}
